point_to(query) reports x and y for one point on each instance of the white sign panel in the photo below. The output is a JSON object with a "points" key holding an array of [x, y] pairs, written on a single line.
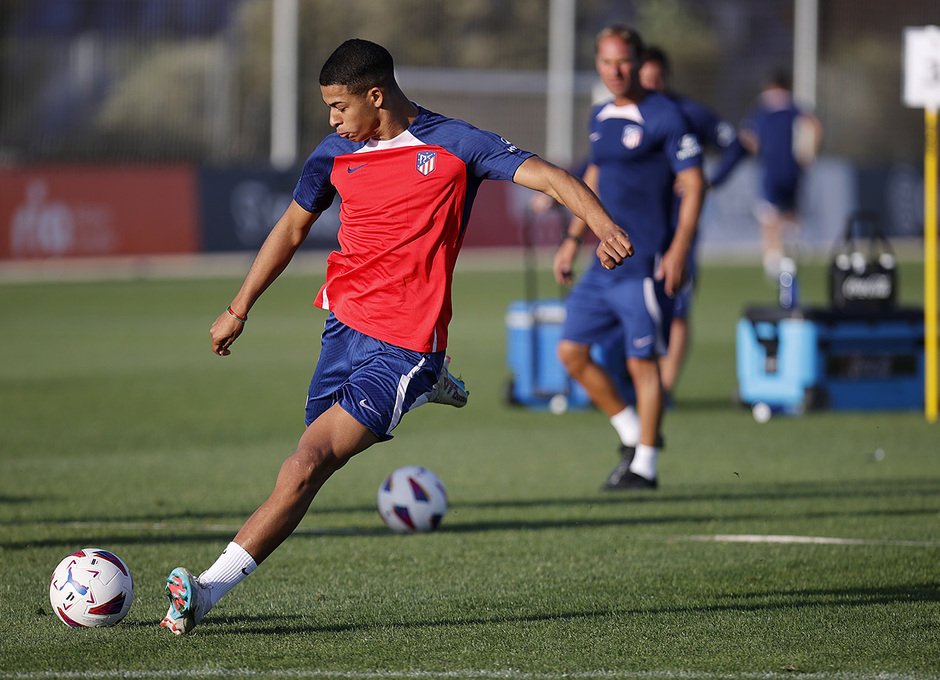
{"points": [[922, 67]]}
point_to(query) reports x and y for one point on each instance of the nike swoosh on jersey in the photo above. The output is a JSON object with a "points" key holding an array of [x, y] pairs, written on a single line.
{"points": [[363, 404], [640, 343], [352, 170]]}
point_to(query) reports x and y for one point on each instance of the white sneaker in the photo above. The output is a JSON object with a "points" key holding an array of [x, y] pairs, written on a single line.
{"points": [[448, 389], [189, 601]]}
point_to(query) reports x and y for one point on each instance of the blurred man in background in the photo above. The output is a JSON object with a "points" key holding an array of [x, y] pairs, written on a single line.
{"points": [[641, 146]]}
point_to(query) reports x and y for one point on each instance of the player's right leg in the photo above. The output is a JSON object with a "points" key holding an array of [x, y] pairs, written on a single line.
{"points": [[588, 321], [359, 391], [447, 390], [645, 313], [597, 382]]}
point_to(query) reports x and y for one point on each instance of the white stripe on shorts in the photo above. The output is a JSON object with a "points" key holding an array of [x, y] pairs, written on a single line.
{"points": [[656, 314], [403, 384]]}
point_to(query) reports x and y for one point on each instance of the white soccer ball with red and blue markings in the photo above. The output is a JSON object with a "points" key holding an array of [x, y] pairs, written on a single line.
{"points": [[91, 588], [412, 499]]}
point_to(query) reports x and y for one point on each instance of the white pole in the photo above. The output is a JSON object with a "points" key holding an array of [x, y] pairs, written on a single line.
{"points": [[805, 41], [284, 84], [559, 117]]}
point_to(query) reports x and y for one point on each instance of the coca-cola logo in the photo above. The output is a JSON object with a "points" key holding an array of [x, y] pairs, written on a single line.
{"points": [[872, 287]]}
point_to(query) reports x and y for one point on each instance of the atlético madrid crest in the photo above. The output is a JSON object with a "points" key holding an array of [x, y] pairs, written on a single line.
{"points": [[427, 161], [632, 136]]}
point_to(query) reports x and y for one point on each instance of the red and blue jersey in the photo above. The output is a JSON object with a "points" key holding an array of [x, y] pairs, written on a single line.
{"points": [[405, 205]]}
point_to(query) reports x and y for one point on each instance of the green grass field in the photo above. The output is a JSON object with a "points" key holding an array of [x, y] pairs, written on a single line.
{"points": [[119, 429]]}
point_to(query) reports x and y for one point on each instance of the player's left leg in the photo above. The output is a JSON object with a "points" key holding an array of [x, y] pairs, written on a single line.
{"points": [[638, 469], [646, 324], [326, 446], [670, 364]]}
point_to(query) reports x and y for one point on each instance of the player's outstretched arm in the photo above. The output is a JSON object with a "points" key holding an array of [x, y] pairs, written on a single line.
{"points": [[563, 264], [572, 193], [272, 259]]}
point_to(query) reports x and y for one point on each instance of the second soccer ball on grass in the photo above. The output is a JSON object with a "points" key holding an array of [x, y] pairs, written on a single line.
{"points": [[412, 499]]}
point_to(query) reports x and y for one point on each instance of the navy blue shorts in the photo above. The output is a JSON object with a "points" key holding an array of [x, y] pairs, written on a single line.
{"points": [[374, 381], [682, 304], [781, 192], [601, 310]]}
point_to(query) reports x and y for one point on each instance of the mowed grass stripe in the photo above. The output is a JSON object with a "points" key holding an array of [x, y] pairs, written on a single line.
{"points": [[448, 675]]}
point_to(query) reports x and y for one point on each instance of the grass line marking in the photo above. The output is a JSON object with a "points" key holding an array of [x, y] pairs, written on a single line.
{"points": [[813, 540], [704, 538]]}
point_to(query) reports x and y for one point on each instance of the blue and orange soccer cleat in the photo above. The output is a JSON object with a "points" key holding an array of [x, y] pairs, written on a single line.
{"points": [[189, 601]]}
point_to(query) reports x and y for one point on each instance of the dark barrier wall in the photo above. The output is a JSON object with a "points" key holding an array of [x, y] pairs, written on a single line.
{"points": [[91, 211], [239, 207]]}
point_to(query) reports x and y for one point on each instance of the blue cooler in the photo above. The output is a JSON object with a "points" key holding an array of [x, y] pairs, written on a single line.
{"points": [[777, 359], [533, 329], [793, 360]]}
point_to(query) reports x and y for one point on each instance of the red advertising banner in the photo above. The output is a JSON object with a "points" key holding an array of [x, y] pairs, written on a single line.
{"points": [[92, 211], [493, 222]]}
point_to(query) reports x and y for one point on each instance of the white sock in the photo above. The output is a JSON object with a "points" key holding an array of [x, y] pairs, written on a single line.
{"points": [[772, 264], [644, 461], [627, 424], [233, 565]]}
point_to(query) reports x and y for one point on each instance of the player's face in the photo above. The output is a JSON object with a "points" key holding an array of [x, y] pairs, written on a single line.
{"points": [[355, 117], [652, 76], [617, 64]]}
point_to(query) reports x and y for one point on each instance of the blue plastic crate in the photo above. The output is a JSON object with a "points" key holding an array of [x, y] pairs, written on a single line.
{"points": [[872, 362], [533, 329], [793, 360], [777, 361]]}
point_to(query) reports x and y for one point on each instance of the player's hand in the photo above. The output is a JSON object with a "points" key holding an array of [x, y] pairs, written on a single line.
{"points": [[224, 330], [563, 265], [673, 271], [614, 248]]}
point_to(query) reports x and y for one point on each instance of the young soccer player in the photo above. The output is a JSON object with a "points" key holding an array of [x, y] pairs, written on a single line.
{"points": [[407, 178]]}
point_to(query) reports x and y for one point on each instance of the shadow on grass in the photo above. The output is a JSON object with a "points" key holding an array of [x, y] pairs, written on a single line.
{"points": [[189, 527], [753, 602]]}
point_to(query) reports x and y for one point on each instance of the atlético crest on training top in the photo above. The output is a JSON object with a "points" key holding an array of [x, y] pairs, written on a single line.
{"points": [[427, 161], [632, 136]]}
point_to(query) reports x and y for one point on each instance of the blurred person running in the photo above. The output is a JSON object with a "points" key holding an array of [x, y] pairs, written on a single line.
{"points": [[786, 140], [407, 178]]}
